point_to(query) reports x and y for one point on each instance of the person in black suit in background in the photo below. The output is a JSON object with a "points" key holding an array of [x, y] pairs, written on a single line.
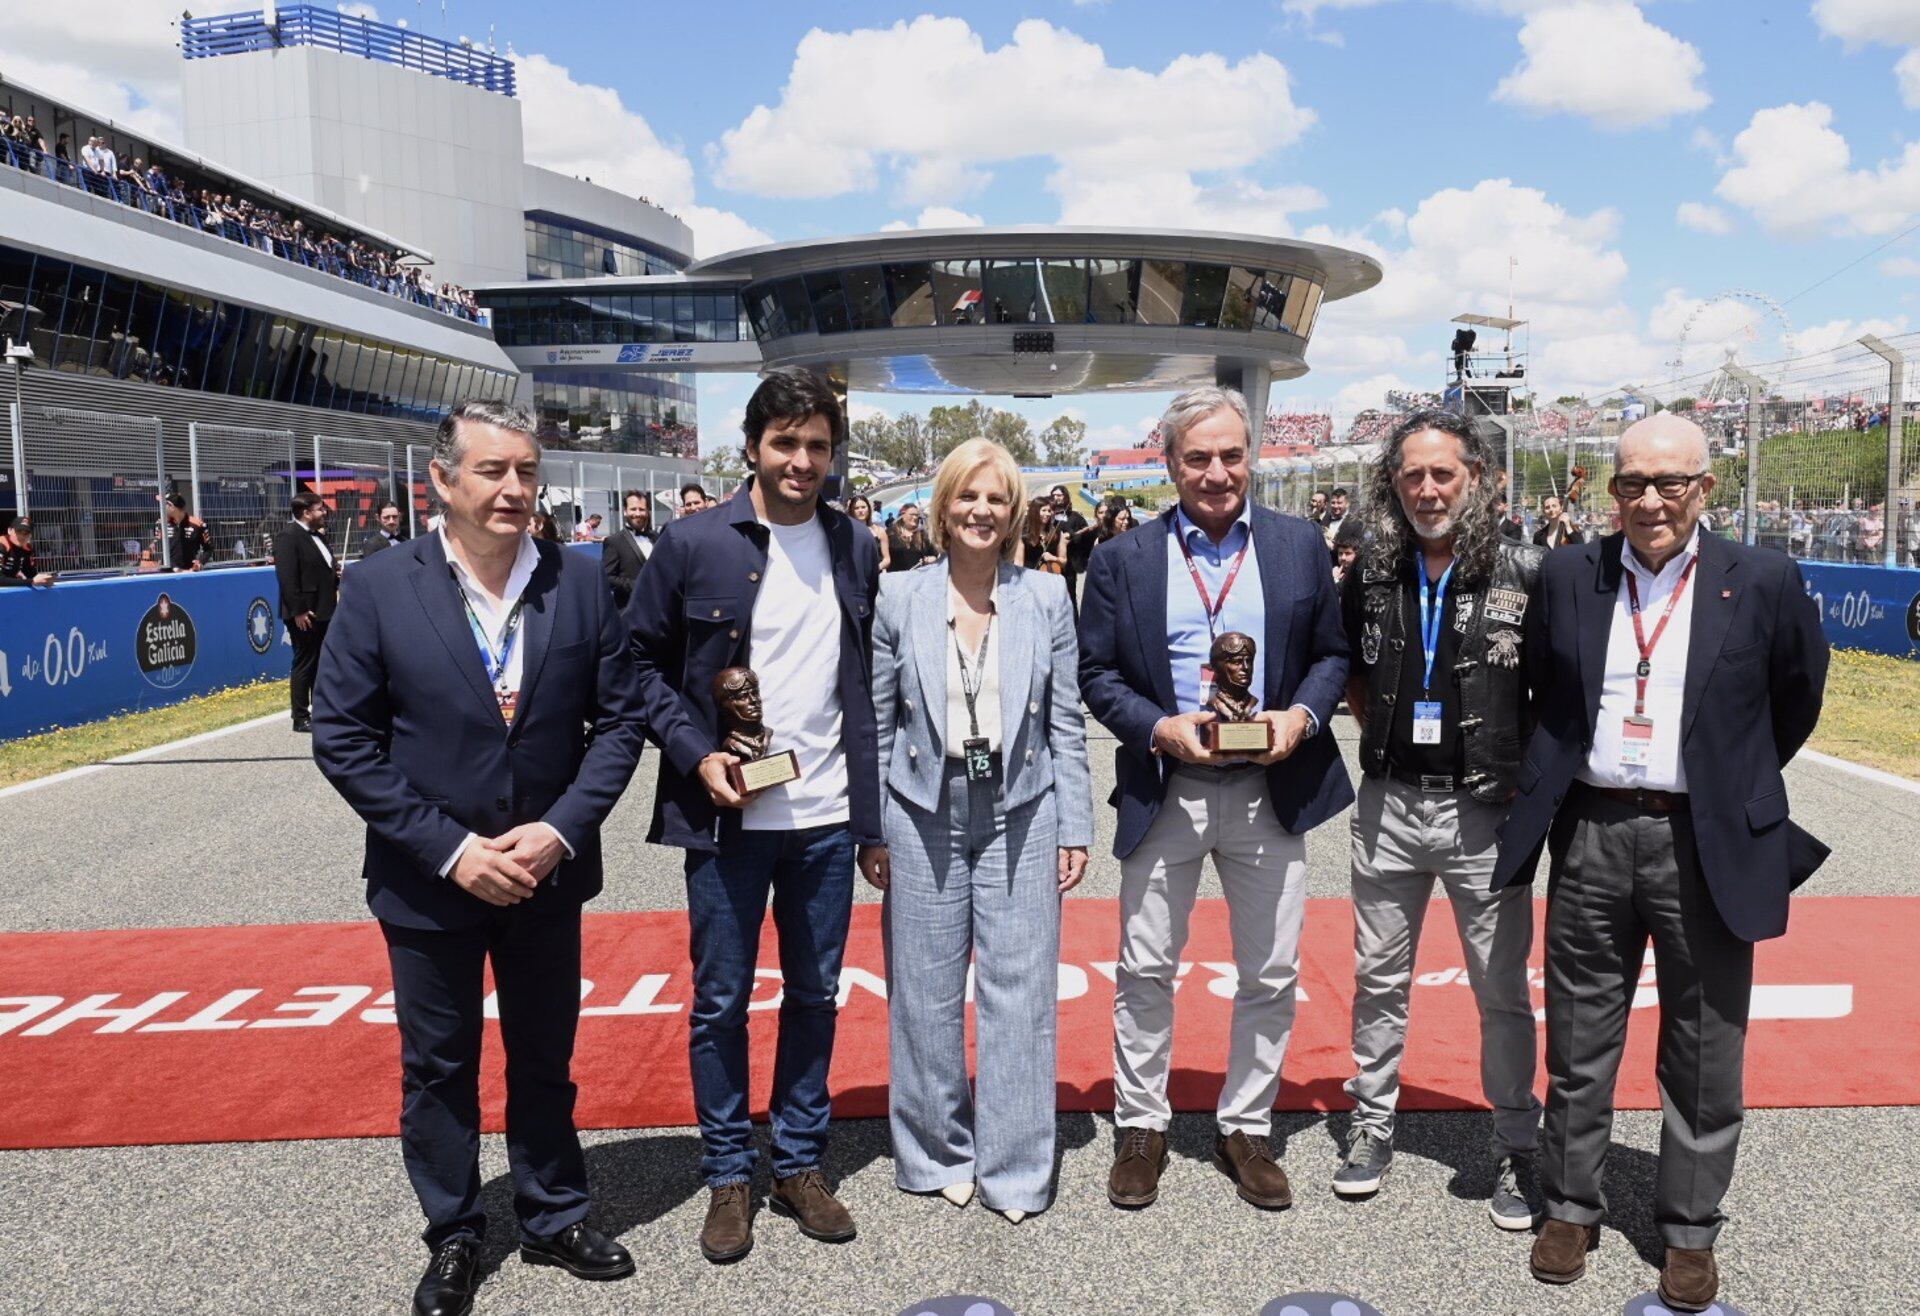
{"points": [[309, 588], [626, 550], [1678, 673], [385, 532], [478, 708]]}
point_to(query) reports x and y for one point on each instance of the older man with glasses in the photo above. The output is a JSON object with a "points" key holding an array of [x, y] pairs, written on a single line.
{"points": [[1679, 672]]}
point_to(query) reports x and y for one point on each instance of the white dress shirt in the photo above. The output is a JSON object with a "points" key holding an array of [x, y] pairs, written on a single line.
{"points": [[1666, 683], [986, 703], [492, 611]]}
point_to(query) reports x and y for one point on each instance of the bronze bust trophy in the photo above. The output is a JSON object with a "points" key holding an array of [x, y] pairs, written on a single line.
{"points": [[1233, 701], [736, 699]]}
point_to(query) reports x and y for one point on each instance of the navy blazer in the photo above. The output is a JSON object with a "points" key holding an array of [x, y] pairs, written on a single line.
{"points": [[1126, 675], [1756, 672], [407, 728], [691, 616]]}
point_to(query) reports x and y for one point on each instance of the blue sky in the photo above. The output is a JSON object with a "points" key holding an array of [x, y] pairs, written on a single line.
{"points": [[1636, 159]]}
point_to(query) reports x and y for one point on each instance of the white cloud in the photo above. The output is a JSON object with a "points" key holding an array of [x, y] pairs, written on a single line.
{"points": [[1173, 198], [928, 104], [1602, 60], [364, 11], [1901, 267], [1794, 173], [620, 151], [1568, 282], [115, 58], [1878, 22], [1837, 333], [1703, 218], [936, 217]]}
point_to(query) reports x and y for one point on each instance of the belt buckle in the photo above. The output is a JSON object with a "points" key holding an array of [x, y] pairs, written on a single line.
{"points": [[1434, 784]]}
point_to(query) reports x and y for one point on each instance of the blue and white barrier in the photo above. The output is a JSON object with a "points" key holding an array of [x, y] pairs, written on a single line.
{"points": [[85, 650], [1871, 608]]}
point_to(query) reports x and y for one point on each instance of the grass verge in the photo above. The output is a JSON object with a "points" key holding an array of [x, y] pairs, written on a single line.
{"points": [[96, 742], [1872, 712]]}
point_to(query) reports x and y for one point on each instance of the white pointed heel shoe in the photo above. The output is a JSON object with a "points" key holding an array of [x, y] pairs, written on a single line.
{"points": [[1015, 1216], [958, 1193]]}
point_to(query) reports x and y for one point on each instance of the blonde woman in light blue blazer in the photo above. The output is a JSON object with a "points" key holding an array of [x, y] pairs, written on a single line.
{"points": [[988, 815]]}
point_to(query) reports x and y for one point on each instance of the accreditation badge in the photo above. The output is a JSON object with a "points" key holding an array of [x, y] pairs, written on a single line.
{"points": [[1426, 722], [509, 704], [1636, 741], [1206, 684]]}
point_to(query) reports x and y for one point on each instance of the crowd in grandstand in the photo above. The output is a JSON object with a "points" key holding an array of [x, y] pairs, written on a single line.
{"points": [[143, 184]]}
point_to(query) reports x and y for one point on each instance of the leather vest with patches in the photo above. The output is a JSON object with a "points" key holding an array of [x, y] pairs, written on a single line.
{"points": [[1495, 716]]}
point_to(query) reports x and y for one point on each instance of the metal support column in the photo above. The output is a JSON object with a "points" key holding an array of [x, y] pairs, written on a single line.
{"points": [[193, 465], [16, 422], [1756, 407], [1896, 424]]}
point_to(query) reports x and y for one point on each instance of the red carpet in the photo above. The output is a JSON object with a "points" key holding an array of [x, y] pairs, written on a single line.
{"points": [[254, 1033]]}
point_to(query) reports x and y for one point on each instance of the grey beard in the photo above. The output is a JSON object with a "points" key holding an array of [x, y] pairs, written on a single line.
{"points": [[1430, 532]]}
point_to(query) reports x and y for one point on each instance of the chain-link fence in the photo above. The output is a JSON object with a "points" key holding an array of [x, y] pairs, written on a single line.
{"points": [[240, 481], [577, 488], [354, 476], [92, 482], [1816, 455]]}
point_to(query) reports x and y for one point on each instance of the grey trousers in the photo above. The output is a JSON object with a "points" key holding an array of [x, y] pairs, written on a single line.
{"points": [[1263, 875], [1620, 876], [973, 880], [1403, 839]]}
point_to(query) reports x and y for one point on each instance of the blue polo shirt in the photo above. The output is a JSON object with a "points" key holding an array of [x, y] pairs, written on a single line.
{"points": [[1189, 642]]}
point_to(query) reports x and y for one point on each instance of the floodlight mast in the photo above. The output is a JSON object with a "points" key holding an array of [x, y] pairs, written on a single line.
{"points": [[1896, 427]]}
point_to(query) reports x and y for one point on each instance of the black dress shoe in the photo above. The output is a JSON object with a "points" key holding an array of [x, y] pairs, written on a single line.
{"points": [[580, 1250], [302, 726], [447, 1287]]}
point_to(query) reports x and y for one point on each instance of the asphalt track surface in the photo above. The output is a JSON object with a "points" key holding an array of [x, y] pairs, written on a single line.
{"points": [[241, 829]]}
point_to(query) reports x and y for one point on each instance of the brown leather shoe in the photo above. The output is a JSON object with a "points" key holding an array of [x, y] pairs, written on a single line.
{"points": [[1257, 1176], [1560, 1252], [1139, 1158], [1690, 1279], [806, 1197], [728, 1233]]}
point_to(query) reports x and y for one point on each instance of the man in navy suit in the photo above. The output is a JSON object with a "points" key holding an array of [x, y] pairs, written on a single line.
{"points": [[777, 581], [477, 707], [1678, 673], [1154, 601]]}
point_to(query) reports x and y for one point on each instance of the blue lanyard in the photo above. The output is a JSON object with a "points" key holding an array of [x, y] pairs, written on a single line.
{"points": [[1432, 615], [496, 665]]}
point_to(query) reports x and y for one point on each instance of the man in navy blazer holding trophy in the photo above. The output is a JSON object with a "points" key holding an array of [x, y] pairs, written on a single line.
{"points": [[477, 707], [1155, 602]]}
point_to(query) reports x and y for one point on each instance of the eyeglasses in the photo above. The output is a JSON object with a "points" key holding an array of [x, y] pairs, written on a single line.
{"points": [[1669, 487]]}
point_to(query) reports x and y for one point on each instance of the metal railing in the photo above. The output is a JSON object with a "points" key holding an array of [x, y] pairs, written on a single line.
{"points": [[93, 482], [329, 257], [328, 29]]}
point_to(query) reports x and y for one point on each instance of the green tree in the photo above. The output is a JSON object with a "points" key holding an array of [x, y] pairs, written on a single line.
{"points": [[871, 436], [949, 427], [1011, 431], [1682, 406], [723, 469], [1570, 400], [907, 447], [1063, 442]]}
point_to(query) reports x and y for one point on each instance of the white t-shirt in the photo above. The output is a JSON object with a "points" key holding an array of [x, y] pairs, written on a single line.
{"points": [[796, 654]]}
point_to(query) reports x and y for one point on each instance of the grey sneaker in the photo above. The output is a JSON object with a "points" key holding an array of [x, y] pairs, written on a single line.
{"points": [[1369, 1157], [1516, 1193]]}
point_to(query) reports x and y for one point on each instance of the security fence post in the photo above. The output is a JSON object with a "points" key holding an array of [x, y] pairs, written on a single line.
{"points": [[1756, 410], [1896, 422], [193, 465], [19, 460]]}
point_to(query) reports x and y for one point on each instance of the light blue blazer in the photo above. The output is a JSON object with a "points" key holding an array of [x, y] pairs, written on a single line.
{"points": [[1042, 724]]}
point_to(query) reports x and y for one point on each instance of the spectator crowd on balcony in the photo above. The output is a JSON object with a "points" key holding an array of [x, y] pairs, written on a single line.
{"points": [[143, 184]]}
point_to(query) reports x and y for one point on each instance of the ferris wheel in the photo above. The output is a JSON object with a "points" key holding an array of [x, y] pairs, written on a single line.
{"points": [[1764, 309]]}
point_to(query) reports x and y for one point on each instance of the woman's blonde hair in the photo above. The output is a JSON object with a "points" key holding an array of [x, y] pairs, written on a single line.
{"points": [[957, 471]]}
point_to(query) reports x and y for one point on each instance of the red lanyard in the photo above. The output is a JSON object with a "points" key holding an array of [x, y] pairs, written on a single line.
{"points": [[1646, 646], [1209, 605]]}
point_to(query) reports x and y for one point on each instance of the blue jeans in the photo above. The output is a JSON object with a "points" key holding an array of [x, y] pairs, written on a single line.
{"points": [[810, 875]]}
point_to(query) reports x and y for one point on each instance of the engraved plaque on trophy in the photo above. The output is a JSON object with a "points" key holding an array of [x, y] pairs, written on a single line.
{"points": [[1235, 731], [736, 698]]}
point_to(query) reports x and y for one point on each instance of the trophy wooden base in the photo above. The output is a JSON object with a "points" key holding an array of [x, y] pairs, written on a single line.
{"points": [[1237, 737], [759, 774]]}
